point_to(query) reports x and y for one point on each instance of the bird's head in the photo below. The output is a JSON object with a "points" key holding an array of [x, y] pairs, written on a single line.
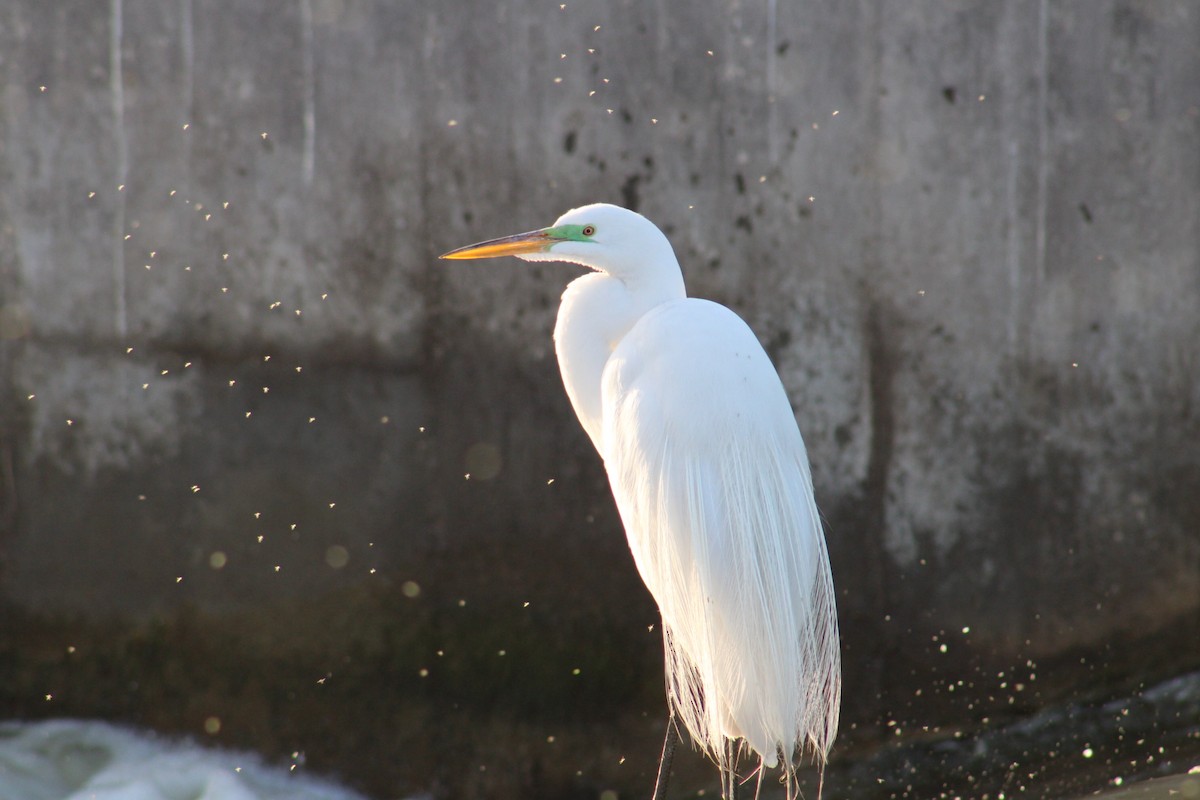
{"points": [[604, 237]]}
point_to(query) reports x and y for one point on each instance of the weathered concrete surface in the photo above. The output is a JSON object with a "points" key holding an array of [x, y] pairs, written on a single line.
{"points": [[967, 235]]}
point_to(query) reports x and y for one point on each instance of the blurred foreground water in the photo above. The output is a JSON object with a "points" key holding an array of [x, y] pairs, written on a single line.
{"points": [[88, 760]]}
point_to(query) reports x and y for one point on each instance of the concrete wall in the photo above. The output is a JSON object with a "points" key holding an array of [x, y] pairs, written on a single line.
{"points": [[967, 234]]}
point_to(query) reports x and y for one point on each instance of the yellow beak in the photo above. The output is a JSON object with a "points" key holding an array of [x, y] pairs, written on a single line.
{"points": [[530, 242]]}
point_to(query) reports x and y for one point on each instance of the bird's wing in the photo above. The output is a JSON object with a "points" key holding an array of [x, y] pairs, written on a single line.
{"points": [[712, 482]]}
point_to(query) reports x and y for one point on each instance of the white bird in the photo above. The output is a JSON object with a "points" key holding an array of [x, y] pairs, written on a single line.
{"points": [[712, 482]]}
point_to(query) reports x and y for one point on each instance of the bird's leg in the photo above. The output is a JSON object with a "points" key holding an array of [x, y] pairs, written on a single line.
{"points": [[664, 761], [729, 781]]}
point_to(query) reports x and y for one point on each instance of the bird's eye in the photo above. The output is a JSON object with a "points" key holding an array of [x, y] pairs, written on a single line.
{"points": [[589, 230]]}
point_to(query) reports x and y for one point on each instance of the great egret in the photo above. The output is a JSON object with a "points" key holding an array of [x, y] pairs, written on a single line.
{"points": [[712, 482]]}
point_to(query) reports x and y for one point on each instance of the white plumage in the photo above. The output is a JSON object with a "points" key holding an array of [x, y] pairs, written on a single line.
{"points": [[719, 513], [712, 482]]}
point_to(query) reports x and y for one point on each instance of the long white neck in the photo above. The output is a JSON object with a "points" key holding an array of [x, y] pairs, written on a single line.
{"points": [[597, 311]]}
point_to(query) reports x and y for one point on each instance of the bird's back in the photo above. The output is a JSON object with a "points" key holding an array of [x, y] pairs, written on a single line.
{"points": [[712, 482]]}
